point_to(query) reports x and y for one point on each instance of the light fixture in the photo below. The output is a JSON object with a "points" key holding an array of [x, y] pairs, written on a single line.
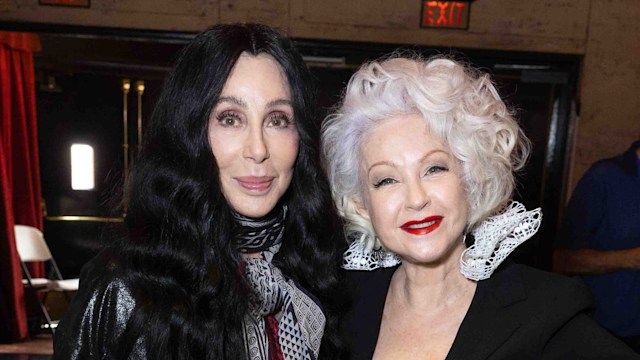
{"points": [[82, 172]]}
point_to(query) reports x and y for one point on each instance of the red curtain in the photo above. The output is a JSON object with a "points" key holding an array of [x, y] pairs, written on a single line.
{"points": [[19, 171]]}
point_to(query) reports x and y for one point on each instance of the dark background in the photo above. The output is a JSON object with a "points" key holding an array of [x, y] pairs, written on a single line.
{"points": [[86, 105]]}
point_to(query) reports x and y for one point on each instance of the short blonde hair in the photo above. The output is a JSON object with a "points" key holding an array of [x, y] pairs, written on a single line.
{"points": [[462, 108]]}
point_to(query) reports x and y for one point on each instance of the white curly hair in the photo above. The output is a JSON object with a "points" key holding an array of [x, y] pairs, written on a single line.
{"points": [[459, 104]]}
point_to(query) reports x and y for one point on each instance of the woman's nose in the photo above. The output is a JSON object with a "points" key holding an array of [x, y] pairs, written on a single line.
{"points": [[417, 195], [255, 147]]}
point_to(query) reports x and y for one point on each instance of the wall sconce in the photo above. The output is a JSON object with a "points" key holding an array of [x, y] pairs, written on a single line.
{"points": [[140, 91], [82, 170], [126, 86]]}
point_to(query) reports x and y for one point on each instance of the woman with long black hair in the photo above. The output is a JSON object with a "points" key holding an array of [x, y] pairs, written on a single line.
{"points": [[233, 244]]}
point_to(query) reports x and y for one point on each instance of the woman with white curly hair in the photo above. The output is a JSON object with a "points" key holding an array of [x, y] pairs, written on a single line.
{"points": [[421, 156]]}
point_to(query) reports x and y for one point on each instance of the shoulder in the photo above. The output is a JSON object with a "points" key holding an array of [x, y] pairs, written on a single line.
{"points": [[98, 313], [102, 277], [546, 294], [536, 279], [605, 168], [525, 313], [563, 289], [559, 309]]}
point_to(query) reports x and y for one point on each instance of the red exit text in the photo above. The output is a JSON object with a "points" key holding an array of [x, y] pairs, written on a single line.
{"points": [[445, 14]]}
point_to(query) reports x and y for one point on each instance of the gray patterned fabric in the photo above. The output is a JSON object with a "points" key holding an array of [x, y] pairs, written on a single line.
{"points": [[301, 324], [261, 234]]}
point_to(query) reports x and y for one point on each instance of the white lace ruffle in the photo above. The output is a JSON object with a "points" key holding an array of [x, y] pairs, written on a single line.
{"points": [[360, 257], [496, 238]]}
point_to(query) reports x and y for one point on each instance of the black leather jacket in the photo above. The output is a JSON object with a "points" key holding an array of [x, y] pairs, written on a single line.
{"points": [[92, 326]]}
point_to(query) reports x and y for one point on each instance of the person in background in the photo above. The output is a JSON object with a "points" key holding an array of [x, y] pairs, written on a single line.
{"points": [[233, 246], [420, 157], [600, 240]]}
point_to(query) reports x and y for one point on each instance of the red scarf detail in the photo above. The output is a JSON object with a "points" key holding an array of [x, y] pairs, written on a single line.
{"points": [[275, 353]]}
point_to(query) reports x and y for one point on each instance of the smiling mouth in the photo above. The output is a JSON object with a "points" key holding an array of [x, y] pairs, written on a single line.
{"points": [[422, 227], [255, 184]]}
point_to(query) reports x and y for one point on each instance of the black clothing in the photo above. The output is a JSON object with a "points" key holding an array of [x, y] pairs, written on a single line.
{"points": [[92, 326], [518, 313]]}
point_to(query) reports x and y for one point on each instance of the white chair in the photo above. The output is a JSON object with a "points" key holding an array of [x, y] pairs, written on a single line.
{"points": [[33, 248]]}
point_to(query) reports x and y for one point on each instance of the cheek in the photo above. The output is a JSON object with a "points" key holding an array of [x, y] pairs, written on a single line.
{"points": [[456, 197], [459, 196], [221, 154], [287, 152], [225, 147], [382, 209]]}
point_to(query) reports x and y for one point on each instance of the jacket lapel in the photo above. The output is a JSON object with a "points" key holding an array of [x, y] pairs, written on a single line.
{"points": [[366, 311], [488, 323]]}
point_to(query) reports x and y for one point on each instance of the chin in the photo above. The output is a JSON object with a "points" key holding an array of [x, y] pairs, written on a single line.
{"points": [[426, 256], [437, 256], [255, 210], [253, 213]]}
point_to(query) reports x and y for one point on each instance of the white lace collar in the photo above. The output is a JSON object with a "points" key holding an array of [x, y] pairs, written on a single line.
{"points": [[495, 238]]}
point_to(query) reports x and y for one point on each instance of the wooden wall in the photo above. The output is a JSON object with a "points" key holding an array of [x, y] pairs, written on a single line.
{"points": [[605, 32], [610, 84]]}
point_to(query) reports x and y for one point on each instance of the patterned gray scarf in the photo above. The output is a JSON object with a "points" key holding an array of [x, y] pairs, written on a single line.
{"points": [[300, 319], [261, 235]]}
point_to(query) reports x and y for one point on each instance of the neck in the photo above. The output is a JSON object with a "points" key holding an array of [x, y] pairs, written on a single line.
{"points": [[427, 287]]}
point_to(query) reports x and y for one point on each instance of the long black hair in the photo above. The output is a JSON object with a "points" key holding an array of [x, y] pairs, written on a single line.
{"points": [[179, 258]]}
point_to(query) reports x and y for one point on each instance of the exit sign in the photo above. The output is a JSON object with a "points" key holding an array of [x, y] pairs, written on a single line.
{"points": [[445, 14], [70, 3]]}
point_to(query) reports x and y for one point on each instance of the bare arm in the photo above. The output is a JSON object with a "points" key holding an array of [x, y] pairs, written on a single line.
{"points": [[592, 262]]}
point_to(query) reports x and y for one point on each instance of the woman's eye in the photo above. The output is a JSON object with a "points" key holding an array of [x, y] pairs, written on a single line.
{"points": [[436, 169], [279, 121], [383, 182], [228, 119]]}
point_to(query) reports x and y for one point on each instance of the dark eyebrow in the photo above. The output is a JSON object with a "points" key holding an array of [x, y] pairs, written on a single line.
{"points": [[239, 102]]}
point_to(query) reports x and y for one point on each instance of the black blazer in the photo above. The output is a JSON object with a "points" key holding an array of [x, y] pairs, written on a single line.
{"points": [[518, 313]]}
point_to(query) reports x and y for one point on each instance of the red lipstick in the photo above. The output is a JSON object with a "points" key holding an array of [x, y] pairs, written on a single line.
{"points": [[422, 227], [255, 183]]}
